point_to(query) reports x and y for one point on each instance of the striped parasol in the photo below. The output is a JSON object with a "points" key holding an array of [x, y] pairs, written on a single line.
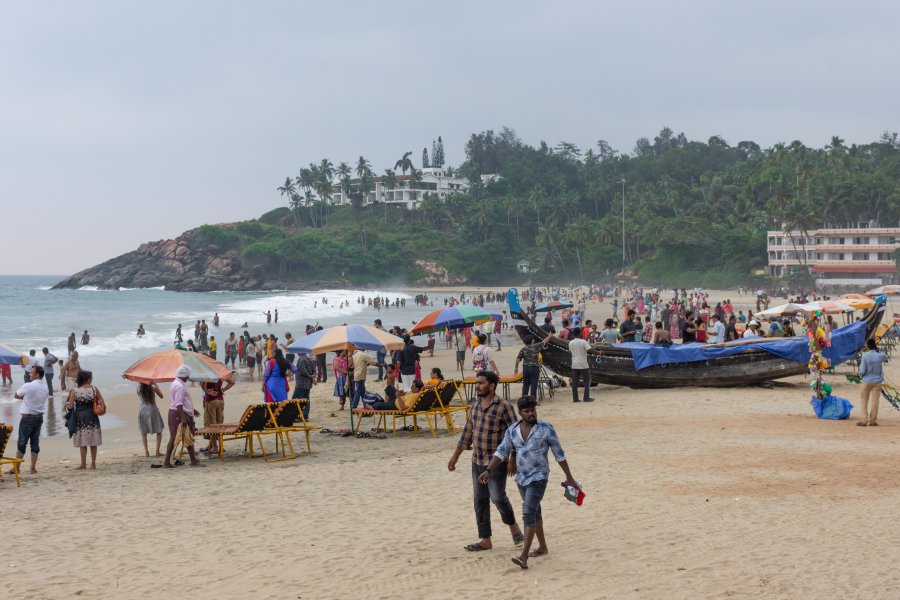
{"points": [[8, 356], [856, 301], [827, 307], [343, 336], [161, 367], [553, 305], [454, 317]]}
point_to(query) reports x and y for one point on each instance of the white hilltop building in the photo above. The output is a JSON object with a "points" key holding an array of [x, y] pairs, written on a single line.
{"points": [[434, 181]]}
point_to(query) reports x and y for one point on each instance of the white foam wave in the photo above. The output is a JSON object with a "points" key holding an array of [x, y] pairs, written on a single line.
{"points": [[125, 342], [129, 289], [89, 288], [300, 306], [44, 288]]}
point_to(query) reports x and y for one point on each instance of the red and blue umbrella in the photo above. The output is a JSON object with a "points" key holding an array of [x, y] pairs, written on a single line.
{"points": [[8, 356], [454, 317]]}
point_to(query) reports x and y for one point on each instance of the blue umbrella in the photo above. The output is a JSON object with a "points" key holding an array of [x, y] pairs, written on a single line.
{"points": [[8, 356], [553, 305]]}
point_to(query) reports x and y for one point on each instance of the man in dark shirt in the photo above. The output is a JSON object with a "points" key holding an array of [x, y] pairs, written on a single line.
{"points": [[628, 328], [688, 329], [409, 355], [548, 325], [731, 330]]}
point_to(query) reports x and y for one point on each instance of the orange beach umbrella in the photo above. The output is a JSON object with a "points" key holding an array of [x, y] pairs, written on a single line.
{"points": [[162, 366]]}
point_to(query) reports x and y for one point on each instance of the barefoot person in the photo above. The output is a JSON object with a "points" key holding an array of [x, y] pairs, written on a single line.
{"points": [[149, 418], [530, 439], [34, 402], [181, 410], [488, 421], [87, 423], [70, 372]]}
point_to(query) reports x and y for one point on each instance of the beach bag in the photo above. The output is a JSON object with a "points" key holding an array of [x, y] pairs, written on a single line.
{"points": [[70, 422], [371, 398], [99, 404], [555, 381], [832, 407]]}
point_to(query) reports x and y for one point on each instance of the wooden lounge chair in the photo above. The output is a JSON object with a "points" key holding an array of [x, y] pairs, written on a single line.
{"points": [[285, 416], [424, 405], [509, 379], [254, 422], [5, 434]]}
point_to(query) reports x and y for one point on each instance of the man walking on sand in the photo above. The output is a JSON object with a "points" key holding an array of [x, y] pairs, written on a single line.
{"points": [[530, 439], [34, 402], [488, 422], [181, 410]]}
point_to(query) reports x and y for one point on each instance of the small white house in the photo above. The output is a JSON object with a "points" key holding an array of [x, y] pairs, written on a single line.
{"points": [[523, 266]]}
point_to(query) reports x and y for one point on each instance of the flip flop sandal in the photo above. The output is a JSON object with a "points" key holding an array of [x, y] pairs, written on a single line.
{"points": [[519, 539], [520, 562], [476, 548], [178, 463]]}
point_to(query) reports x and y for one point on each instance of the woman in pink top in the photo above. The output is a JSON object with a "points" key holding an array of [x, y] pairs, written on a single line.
{"points": [[339, 364]]}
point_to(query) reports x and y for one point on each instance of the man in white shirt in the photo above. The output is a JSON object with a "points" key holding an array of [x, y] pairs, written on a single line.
{"points": [[715, 334], [34, 402], [579, 348], [752, 330], [30, 363]]}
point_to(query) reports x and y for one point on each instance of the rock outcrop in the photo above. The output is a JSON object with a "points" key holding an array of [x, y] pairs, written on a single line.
{"points": [[184, 264], [436, 275]]}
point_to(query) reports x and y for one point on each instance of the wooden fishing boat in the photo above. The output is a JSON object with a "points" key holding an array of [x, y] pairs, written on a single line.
{"points": [[616, 366]]}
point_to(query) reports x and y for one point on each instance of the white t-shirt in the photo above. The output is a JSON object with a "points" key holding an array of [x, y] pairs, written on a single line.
{"points": [[34, 397], [749, 334], [579, 347], [717, 333]]}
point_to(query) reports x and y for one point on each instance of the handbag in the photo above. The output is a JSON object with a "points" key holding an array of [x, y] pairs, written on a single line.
{"points": [[99, 404], [70, 422]]}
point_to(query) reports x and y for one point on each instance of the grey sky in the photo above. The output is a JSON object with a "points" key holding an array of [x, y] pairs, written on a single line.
{"points": [[122, 122]]}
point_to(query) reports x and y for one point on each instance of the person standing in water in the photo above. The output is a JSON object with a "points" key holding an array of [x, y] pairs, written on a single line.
{"points": [[85, 338]]}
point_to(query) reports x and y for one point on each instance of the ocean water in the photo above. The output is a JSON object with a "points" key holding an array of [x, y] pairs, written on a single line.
{"points": [[34, 316]]}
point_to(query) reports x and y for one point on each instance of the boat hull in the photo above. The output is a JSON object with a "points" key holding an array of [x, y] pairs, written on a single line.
{"points": [[615, 365]]}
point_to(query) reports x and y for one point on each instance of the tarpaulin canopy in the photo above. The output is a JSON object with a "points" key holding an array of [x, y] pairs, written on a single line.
{"points": [[845, 343]]}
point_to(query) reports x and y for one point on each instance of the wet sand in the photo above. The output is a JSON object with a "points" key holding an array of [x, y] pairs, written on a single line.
{"points": [[691, 493]]}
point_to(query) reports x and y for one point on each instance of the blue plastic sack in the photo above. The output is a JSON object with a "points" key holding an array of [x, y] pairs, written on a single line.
{"points": [[832, 407]]}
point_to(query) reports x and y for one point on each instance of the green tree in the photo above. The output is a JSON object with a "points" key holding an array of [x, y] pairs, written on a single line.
{"points": [[404, 164]]}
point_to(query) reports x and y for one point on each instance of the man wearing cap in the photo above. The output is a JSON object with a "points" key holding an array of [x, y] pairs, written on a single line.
{"points": [[34, 402], [752, 330], [181, 410]]}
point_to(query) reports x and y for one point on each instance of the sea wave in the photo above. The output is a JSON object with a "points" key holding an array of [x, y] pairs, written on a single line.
{"points": [[44, 288], [130, 289], [125, 342], [299, 306]]}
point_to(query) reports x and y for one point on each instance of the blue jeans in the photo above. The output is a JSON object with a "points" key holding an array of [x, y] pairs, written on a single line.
{"points": [[585, 376], [380, 356], [359, 392], [494, 491], [30, 433], [530, 376], [532, 494]]}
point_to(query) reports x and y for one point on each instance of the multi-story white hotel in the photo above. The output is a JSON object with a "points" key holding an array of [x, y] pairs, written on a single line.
{"points": [[854, 257], [434, 181]]}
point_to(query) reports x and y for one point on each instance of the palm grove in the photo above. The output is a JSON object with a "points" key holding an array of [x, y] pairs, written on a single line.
{"points": [[695, 213]]}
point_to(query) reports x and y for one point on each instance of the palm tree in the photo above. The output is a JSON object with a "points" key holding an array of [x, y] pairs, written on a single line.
{"points": [[546, 240], [290, 191], [362, 166], [405, 164], [415, 177], [578, 234], [483, 219]]}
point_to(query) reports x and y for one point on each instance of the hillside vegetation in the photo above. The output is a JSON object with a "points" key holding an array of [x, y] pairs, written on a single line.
{"points": [[696, 212]]}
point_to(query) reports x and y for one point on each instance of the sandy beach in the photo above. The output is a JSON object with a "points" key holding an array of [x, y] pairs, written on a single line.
{"points": [[690, 493]]}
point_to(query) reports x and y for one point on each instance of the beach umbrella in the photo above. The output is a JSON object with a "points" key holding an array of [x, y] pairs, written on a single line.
{"points": [[342, 337], [163, 365], [8, 356], [347, 337], [553, 305], [828, 307], [885, 290], [454, 317], [782, 310], [856, 301]]}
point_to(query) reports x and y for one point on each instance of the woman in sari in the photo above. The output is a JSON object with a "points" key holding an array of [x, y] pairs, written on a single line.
{"points": [[275, 382]]}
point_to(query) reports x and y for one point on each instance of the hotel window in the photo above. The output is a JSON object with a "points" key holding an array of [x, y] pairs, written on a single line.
{"points": [[860, 256], [859, 241], [884, 256]]}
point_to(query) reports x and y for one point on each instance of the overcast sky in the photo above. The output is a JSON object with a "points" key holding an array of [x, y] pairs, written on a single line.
{"points": [[123, 122]]}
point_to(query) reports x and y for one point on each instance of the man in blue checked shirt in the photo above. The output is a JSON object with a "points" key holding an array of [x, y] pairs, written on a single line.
{"points": [[530, 439]]}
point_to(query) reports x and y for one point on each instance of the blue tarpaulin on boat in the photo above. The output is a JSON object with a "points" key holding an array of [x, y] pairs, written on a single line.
{"points": [[845, 343]]}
